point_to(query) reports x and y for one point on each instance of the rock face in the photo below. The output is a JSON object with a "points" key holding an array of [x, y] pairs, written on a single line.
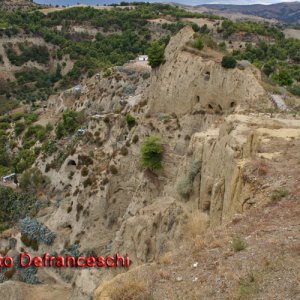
{"points": [[189, 81], [103, 201]]}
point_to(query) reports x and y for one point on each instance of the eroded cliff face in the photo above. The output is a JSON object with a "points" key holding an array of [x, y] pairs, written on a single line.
{"points": [[191, 81], [103, 201]]}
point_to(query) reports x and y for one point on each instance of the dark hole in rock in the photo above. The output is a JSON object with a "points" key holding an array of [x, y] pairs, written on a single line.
{"points": [[71, 163]]}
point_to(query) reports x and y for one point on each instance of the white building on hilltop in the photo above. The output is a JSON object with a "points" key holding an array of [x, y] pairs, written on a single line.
{"points": [[143, 58]]}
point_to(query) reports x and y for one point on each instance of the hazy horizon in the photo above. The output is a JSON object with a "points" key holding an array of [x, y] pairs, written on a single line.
{"points": [[187, 2]]}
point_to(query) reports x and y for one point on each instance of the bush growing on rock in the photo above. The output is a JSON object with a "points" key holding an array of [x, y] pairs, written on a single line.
{"points": [[185, 185], [228, 62], [130, 120], [198, 44], [151, 153]]}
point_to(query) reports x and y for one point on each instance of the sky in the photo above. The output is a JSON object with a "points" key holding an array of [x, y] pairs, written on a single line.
{"points": [[188, 2]]}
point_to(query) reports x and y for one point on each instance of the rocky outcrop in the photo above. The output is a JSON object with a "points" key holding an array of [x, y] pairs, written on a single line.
{"points": [[192, 81]]}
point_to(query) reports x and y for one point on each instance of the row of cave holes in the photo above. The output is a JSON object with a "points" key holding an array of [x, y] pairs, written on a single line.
{"points": [[210, 107]]}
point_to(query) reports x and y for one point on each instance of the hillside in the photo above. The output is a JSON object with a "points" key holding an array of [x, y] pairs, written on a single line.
{"points": [[288, 12], [187, 162], [12, 5]]}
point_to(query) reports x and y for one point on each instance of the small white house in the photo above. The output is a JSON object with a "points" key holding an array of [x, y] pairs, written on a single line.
{"points": [[143, 57]]}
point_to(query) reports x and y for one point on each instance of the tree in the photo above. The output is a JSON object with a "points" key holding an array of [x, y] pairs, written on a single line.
{"points": [[151, 153], [283, 77], [156, 54], [228, 62]]}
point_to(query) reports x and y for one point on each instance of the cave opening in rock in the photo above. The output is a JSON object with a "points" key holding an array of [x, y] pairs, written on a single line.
{"points": [[71, 162]]}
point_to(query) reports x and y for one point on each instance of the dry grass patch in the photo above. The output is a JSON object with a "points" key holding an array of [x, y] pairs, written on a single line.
{"points": [[196, 225], [130, 290], [166, 259]]}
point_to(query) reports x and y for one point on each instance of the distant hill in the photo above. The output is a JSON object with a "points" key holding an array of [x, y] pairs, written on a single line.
{"points": [[288, 12]]}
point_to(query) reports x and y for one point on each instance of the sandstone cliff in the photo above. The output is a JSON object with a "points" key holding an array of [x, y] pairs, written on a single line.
{"points": [[192, 80]]}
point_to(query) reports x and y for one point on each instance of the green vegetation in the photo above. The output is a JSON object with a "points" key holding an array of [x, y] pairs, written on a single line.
{"points": [[248, 287], [32, 180], [279, 59], [39, 54], [14, 206], [71, 120], [19, 128], [283, 77], [265, 29], [130, 120], [228, 62], [185, 184], [151, 153], [156, 54], [23, 160], [295, 89], [89, 54], [198, 43], [279, 193], [238, 244]]}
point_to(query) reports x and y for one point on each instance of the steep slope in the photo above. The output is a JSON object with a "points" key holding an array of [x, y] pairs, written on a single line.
{"points": [[220, 159], [192, 81]]}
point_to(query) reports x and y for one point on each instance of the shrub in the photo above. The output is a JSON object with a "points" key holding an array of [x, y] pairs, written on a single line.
{"points": [[268, 69], [283, 78], [33, 180], [113, 169], [84, 171], [198, 44], [228, 62], [185, 185], [278, 194], [151, 153], [84, 160], [222, 46], [49, 147], [135, 139], [238, 244], [24, 159], [130, 120], [30, 118], [71, 120], [196, 27], [295, 90], [124, 151], [19, 128], [129, 89]]}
